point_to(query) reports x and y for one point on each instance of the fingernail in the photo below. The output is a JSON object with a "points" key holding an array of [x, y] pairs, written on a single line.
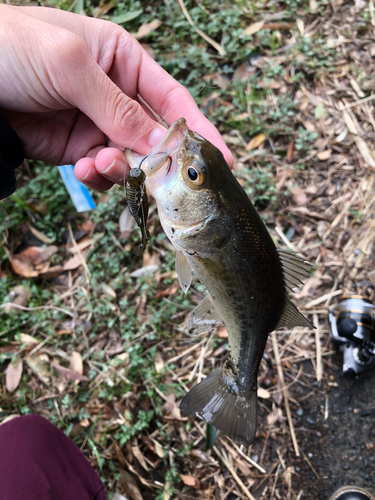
{"points": [[83, 177], [114, 168], [156, 136]]}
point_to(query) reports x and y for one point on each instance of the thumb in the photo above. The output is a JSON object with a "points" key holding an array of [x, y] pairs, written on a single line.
{"points": [[86, 86]]}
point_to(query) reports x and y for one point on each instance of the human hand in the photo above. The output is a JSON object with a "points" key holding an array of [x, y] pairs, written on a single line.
{"points": [[69, 89]]}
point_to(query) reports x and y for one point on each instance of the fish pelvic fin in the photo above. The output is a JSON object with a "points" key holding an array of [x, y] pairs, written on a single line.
{"points": [[204, 317], [222, 405]]}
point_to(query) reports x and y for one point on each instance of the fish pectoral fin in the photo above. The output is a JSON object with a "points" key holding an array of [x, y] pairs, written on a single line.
{"points": [[232, 413], [292, 317], [204, 317], [183, 271]]}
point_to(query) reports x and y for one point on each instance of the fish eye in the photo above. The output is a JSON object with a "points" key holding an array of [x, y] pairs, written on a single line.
{"points": [[194, 175]]}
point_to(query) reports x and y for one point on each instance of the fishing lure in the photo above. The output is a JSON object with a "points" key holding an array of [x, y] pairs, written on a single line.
{"points": [[137, 200]]}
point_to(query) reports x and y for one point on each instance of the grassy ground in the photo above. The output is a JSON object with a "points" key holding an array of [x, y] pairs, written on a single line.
{"points": [[99, 343]]}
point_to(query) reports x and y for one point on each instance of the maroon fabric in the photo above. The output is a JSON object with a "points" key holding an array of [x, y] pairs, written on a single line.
{"points": [[39, 462]]}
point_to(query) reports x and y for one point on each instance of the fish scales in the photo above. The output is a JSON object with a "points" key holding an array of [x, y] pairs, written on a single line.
{"points": [[219, 236]]}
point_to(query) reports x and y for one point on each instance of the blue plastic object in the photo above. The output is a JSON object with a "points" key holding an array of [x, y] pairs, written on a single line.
{"points": [[79, 193]]}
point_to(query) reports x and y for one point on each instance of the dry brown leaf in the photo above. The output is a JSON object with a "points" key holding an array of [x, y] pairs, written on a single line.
{"points": [[37, 255], [159, 363], [263, 393], [243, 72], [290, 152], [25, 338], [269, 84], [67, 373], [274, 416], [72, 263], [107, 290], [159, 450], [24, 262], [14, 374], [299, 196], [189, 480], [76, 363], [147, 28], [78, 247], [142, 271], [22, 268], [255, 142], [171, 290], [151, 259], [171, 411], [364, 151], [138, 455], [324, 155], [130, 486], [20, 296], [126, 221], [253, 28], [39, 235], [288, 474], [38, 366], [199, 455], [349, 122]]}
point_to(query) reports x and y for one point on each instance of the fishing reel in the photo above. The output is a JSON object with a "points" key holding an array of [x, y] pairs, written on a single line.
{"points": [[352, 326]]}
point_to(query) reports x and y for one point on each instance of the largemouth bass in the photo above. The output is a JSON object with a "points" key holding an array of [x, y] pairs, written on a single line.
{"points": [[218, 234]]}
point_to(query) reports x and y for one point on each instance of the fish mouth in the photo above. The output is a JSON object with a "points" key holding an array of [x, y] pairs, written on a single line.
{"points": [[167, 150]]}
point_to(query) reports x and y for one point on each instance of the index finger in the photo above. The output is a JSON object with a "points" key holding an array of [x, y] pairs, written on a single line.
{"points": [[172, 101]]}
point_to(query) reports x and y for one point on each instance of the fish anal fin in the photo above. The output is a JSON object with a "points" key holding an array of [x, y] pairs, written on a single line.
{"points": [[204, 317], [231, 412], [183, 271], [292, 317]]}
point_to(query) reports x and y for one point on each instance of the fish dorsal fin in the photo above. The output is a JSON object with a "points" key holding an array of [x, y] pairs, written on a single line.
{"points": [[204, 317], [295, 269], [183, 271], [292, 317]]}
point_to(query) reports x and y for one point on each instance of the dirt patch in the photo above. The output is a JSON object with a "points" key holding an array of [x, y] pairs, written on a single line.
{"points": [[336, 431]]}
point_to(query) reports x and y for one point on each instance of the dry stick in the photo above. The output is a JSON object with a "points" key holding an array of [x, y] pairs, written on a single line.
{"points": [[309, 464], [322, 299], [285, 391], [319, 364], [215, 45], [199, 362], [78, 251], [185, 353], [267, 476], [275, 482], [255, 464], [288, 243], [229, 466], [358, 103], [23, 308]]}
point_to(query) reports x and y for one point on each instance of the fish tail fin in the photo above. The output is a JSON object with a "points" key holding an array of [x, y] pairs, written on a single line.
{"points": [[233, 413]]}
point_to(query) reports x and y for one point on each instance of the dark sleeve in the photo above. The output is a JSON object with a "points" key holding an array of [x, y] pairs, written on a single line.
{"points": [[11, 157]]}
